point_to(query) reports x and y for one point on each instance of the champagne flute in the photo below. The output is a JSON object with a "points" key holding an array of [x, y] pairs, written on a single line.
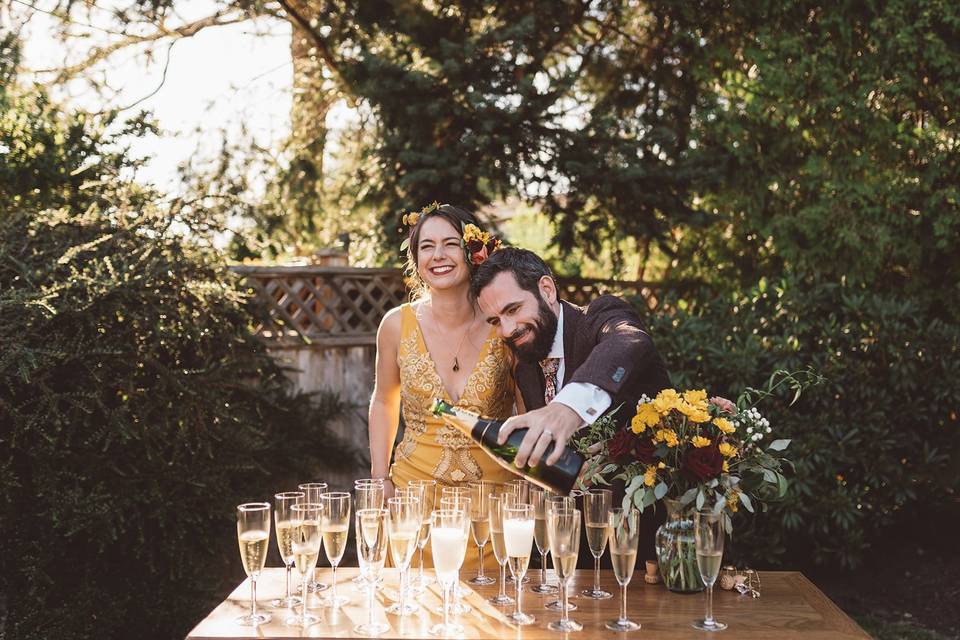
{"points": [[335, 524], [305, 543], [312, 492], [521, 488], [563, 523], [554, 503], [499, 549], [457, 501], [596, 516], [403, 525], [372, 537], [708, 533], [538, 498], [428, 499], [253, 535], [624, 534], [448, 542], [480, 524], [282, 513], [518, 522], [368, 494]]}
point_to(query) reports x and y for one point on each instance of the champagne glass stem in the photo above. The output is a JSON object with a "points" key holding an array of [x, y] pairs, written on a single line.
{"points": [[623, 603], [333, 597], [303, 601], [373, 587], [403, 591], [596, 574], [543, 567], [420, 572], [288, 584], [564, 603], [253, 600], [709, 617], [503, 580], [446, 605], [480, 572], [518, 582]]}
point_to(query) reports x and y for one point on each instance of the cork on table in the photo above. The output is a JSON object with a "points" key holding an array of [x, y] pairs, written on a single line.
{"points": [[790, 607]]}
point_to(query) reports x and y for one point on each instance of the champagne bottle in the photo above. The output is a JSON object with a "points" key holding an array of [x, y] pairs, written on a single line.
{"points": [[560, 477]]}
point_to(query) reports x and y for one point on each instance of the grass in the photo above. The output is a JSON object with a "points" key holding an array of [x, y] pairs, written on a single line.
{"points": [[880, 629]]}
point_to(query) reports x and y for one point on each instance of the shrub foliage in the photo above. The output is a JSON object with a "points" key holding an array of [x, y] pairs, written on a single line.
{"points": [[136, 408]]}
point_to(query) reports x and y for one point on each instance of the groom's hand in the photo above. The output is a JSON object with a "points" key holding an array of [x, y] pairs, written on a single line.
{"points": [[555, 422]]}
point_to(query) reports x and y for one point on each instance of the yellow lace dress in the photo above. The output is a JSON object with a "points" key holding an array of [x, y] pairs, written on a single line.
{"points": [[432, 450]]}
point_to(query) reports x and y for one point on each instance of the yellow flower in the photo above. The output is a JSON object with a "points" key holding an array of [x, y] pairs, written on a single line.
{"points": [[726, 467], [724, 425], [733, 500], [699, 442], [697, 398], [660, 465], [727, 450], [646, 416], [410, 219], [667, 435], [472, 232], [693, 413], [650, 476]]}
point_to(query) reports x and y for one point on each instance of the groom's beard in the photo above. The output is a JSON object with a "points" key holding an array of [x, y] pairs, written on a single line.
{"points": [[543, 334]]}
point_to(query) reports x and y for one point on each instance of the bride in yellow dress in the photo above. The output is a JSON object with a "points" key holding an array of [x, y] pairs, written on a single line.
{"points": [[439, 345]]}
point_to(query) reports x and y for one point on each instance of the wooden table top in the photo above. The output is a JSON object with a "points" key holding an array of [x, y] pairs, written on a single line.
{"points": [[790, 607]]}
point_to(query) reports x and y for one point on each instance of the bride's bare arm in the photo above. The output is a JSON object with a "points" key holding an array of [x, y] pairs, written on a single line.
{"points": [[384, 415]]}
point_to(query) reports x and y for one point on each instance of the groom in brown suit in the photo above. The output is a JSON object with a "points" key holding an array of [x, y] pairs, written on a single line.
{"points": [[574, 363]]}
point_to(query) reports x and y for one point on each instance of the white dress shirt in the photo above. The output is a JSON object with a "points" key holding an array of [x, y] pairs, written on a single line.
{"points": [[588, 400]]}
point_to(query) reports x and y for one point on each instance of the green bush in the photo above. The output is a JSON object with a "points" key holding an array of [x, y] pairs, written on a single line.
{"points": [[872, 445], [136, 408]]}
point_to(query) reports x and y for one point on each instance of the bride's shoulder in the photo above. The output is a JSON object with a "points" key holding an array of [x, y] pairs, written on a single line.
{"points": [[390, 325]]}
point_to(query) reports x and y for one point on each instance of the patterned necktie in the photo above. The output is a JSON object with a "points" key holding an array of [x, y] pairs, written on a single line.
{"points": [[550, 367]]}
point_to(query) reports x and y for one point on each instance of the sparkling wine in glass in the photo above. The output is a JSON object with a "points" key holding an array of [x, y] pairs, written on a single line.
{"points": [[518, 523], [499, 548], [335, 525], [372, 536], [253, 535], [563, 524], [428, 499], [708, 534], [282, 502], [312, 492], [624, 534], [554, 503], [480, 524], [596, 516], [403, 524], [448, 543], [305, 544], [538, 498]]}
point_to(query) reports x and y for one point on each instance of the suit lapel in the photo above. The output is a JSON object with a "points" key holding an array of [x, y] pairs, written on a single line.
{"points": [[531, 384]]}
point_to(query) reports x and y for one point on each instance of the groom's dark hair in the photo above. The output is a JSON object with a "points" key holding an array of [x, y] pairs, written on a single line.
{"points": [[526, 266]]}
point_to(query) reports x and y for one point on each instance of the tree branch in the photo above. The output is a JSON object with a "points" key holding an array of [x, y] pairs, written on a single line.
{"points": [[100, 54], [301, 21]]}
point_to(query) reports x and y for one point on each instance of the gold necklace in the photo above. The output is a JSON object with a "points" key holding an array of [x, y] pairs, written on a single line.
{"points": [[456, 355]]}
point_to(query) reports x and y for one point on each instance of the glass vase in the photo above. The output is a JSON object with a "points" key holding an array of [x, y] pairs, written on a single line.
{"points": [[677, 550]]}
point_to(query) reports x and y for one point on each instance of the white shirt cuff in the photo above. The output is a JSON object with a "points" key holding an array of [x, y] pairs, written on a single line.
{"points": [[588, 400]]}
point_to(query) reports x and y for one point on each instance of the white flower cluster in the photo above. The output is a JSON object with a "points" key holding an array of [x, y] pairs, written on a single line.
{"points": [[756, 424], [644, 399]]}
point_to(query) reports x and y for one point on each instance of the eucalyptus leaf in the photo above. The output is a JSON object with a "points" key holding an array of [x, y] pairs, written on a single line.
{"points": [[701, 498], [660, 490], [747, 503], [779, 445], [689, 496]]}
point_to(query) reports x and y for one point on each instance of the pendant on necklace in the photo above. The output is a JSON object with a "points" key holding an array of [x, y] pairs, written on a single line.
{"points": [[456, 364]]}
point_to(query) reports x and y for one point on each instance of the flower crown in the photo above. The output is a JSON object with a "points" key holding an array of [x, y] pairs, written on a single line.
{"points": [[477, 244]]}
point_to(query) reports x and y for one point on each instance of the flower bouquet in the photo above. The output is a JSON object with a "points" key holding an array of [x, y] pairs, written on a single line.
{"points": [[696, 453]]}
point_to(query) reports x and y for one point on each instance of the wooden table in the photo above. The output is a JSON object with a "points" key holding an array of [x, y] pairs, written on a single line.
{"points": [[790, 607]]}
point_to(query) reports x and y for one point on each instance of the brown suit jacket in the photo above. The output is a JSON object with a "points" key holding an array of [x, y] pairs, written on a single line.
{"points": [[606, 344]]}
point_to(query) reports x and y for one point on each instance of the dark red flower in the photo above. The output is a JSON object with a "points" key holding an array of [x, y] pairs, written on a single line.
{"points": [[703, 463], [621, 445], [474, 245], [643, 449]]}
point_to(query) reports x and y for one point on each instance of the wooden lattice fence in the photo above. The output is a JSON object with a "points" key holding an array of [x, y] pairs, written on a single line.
{"points": [[330, 306]]}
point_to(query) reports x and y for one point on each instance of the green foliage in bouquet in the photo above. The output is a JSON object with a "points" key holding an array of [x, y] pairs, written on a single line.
{"points": [[136, 408], [706, 453]]}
